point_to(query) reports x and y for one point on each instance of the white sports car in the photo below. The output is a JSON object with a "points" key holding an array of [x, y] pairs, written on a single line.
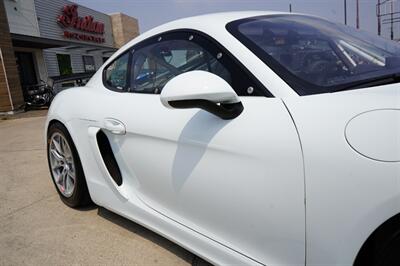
{"points": [[245, 137]]}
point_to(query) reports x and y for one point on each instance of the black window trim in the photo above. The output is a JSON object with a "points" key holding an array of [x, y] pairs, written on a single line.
{"points": [[171, 35], [104, 74]]}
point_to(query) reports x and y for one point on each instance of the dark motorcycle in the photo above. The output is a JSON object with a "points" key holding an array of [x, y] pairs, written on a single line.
{"points": [[41, 95]]}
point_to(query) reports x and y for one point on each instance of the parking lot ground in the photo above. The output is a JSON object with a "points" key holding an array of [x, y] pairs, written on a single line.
{"points": [[36, 228]]}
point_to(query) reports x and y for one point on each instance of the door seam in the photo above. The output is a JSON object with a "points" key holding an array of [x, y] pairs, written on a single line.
{"points": [[304, 180]]}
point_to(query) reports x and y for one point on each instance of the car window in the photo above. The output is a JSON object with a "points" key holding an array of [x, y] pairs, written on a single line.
{"points": [[154, 65], [317, 56], [116, 73]]}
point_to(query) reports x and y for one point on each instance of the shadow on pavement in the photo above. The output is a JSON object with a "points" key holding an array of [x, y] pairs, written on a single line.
{"points": [[87, 208], [151, 236]]}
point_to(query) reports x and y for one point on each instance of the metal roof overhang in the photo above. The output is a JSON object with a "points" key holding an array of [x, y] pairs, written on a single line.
{"points": [[26, 41]]}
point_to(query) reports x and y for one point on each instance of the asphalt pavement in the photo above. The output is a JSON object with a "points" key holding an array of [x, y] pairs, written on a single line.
{"points": [[36, 228]]}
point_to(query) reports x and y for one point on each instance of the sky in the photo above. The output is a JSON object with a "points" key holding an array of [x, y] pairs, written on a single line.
{"points": [[151, 13]]}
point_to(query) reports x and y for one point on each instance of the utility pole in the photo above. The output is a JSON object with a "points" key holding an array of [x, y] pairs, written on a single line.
{"points": [[378, 14], [391, 21], [358, 14], [345, 12]]}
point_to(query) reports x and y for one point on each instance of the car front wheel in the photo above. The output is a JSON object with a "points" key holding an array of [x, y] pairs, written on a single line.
{"points": [[65, 167]]}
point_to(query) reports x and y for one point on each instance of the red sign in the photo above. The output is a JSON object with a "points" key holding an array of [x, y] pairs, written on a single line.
{"points": [[70, 18]]}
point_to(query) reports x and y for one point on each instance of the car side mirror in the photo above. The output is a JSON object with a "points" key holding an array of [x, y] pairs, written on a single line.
{"points": [[204, 90]]}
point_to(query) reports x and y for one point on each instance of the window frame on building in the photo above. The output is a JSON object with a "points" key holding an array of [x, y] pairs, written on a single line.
{"points": [[58, 55], [86, 63]]}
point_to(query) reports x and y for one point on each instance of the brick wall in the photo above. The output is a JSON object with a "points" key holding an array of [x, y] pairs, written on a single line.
{"points": [[10, 68], [125, 28]]}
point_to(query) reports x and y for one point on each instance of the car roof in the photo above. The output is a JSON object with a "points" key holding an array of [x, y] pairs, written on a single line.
{"points": [[204, 23]]}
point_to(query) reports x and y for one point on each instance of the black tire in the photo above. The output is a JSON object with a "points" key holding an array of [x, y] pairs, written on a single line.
{"points": [[80, 196], [390, 254]]}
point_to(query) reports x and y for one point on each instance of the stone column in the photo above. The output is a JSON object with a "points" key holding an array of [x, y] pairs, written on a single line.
{"points": [[124, 27]]}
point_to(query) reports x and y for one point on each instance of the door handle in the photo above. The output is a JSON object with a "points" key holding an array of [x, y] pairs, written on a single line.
{"points": [[114, 126]]}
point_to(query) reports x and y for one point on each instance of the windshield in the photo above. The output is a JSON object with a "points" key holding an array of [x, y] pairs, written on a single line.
{"points": [[314, 55]]}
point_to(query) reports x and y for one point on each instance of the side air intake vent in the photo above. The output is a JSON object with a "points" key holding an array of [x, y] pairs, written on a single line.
{"points": [[108, 157]]}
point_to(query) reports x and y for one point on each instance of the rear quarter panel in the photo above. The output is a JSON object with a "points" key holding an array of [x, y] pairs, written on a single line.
{"points": [[347, 195]]}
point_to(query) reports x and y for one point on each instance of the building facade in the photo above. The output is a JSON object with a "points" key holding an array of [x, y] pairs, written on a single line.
{"points": [[43, 38]]}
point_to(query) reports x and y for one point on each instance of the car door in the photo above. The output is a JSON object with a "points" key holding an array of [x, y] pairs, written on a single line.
{"points": [[239, 182]]}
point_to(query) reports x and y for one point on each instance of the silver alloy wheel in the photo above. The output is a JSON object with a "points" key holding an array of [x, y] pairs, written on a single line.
{"points": [[62, 164]]}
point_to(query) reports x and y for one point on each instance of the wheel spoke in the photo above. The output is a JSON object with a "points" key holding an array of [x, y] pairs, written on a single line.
{"points": [[71, 174], [70, 182], [61, 178], [56, 155], [62, 145], [66, 187], [67, 151], [57, 144], [64, 180], [57, 178]]}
